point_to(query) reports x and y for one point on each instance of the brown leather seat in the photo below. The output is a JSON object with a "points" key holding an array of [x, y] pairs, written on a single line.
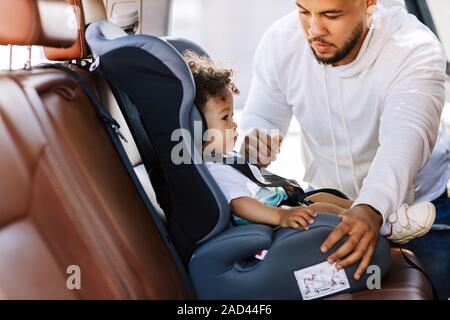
{"points": [[66, 199], [401, 283]]}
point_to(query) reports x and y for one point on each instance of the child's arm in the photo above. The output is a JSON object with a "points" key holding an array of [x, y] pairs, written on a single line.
{"points": [[255, 211]]}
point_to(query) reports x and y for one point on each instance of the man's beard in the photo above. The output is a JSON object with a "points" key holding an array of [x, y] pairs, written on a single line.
{"points": [[345, 51]]}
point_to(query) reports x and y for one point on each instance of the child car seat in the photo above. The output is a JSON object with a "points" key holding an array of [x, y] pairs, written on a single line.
{"points": [[155, 90]]}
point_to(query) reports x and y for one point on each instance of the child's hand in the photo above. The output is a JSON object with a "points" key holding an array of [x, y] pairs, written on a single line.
{"points": [[297, 217]]}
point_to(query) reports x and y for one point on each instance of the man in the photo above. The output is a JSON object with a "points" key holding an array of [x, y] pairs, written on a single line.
{"points": [[366, 81]]}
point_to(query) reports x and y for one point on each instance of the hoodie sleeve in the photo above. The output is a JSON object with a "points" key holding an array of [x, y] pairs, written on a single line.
{"points": [[408, 129], [266, 105]]}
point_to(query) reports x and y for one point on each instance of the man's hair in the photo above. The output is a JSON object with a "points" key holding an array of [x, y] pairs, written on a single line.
{"points": [[210, 78]]}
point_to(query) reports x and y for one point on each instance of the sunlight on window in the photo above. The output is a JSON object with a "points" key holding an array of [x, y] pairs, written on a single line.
{"points": [[229, 30], [440, 11], [20, 56]]}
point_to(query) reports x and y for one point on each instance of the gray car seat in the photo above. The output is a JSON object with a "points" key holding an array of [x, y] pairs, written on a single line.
{"points": [[155, 91]]}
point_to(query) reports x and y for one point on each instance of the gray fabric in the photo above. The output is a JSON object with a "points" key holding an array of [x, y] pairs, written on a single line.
{"points": [[183, 44], [165, 52], [217, 273]]}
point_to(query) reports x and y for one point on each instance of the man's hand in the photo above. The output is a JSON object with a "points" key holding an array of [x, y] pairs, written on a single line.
{"points": [[260, 148], [362, 224]]}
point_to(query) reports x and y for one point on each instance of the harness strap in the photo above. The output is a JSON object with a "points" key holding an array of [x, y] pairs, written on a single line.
{"points": [[413, 265], [293, 190]]}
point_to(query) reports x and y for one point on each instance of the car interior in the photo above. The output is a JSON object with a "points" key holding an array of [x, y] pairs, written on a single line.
{"points": [[69, 198]]}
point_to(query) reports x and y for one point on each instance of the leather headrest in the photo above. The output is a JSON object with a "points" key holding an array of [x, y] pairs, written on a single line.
{"points": [[37, 22], [87, 11]]}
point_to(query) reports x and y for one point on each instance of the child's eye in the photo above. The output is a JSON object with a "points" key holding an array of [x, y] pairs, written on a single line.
{"points": [[225, 117]]}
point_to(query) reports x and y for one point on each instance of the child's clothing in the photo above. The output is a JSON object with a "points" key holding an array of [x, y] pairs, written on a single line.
{"points": [[403, 225], [236, 185]]}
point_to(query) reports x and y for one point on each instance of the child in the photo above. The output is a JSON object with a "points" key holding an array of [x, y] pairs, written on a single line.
{"points": [[250, 202]]}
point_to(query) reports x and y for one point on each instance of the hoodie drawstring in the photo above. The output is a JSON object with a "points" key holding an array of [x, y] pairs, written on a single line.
{"points": [[333, 138], [336, 163], [347, 137]]}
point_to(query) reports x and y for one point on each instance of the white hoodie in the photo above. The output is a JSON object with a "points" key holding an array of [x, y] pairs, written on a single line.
{"points": [[367, 127]]}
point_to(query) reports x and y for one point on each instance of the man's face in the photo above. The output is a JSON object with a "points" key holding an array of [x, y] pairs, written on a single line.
{"points": [[335, 29]]}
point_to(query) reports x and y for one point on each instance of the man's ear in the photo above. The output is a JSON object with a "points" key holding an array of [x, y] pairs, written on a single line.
{"points": [[370, 4]]}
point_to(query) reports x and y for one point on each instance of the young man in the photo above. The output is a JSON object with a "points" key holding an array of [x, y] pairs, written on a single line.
{"points": [[366, 81]]}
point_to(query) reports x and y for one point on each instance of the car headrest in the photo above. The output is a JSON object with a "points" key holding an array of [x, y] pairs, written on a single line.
{"points": [[87, 11], [182, 45], [37, 22]]}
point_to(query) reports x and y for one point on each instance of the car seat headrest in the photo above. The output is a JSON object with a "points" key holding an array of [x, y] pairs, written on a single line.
{"points": [[37, 22], [87, 11], [182, 45], [111, 31]]}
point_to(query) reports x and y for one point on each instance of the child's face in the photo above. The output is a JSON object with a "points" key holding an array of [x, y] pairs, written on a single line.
{"points": [[222, 134]]}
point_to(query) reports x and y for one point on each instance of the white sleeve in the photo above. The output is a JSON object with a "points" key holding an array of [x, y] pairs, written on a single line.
{"points": [[408, 130], [232, 183], [266, 106]]}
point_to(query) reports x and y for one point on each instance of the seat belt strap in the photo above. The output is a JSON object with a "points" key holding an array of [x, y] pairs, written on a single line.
{"points": [[415, 266], [294, 191]]}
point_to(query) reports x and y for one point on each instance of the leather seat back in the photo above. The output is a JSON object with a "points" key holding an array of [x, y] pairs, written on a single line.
{"points": [[66, 200]]}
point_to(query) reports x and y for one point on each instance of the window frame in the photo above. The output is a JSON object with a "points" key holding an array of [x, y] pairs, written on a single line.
{"points": [[420, 9]]}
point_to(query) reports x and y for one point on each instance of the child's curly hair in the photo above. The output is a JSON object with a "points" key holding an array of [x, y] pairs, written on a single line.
{"points": [[210, 79]]}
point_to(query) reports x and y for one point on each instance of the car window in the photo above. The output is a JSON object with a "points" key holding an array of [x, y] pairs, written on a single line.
{"points": [[229, 30], [20, 55], [440, 11]]}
